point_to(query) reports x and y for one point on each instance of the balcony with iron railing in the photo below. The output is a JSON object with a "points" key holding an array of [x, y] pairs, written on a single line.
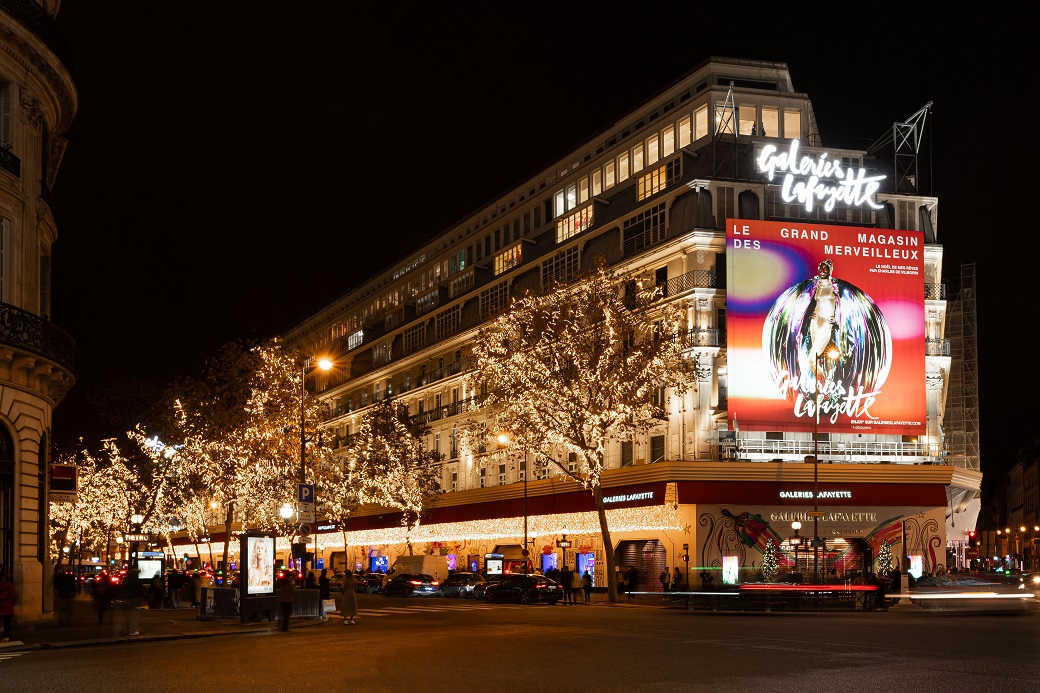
{"points": [[935, 292], [696, 279], [24, 330], [937, 347]]}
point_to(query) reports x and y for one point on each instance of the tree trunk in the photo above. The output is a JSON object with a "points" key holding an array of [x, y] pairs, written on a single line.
{"points": [[608, 545], [346, 559], [228, 517]]}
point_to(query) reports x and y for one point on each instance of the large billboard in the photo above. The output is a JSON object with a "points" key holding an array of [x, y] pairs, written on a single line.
{"points": [[827, 314]]}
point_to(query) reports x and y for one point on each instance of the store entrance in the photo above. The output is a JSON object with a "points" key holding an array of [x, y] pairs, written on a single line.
{"points": [[648, 556]]}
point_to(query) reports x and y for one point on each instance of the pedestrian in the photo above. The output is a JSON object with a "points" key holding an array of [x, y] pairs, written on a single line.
{"points": [[586, 585], [311, 583], [567, 580], [65, 590], [350, 607], [882, 602], [286, 597], [677, 580], [174, 581], [133, 596], [196, 589], [102, 596], [576, 586], [631, 580], [157, 592], [665, 578], [324, 593], [8, 596]]}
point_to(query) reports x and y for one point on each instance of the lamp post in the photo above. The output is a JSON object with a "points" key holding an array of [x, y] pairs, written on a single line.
{"points": [[137, 519], [831, 352], [796, 541], [505, 438], [324, 364]]}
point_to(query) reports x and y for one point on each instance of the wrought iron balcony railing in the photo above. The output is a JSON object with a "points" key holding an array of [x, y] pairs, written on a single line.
{"points": [[20, 328]]}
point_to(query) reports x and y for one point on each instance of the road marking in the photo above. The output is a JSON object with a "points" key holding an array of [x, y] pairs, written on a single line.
{"points": [[390, 610], [9, 655]]}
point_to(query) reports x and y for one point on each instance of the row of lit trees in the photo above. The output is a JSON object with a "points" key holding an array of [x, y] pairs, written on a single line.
{"points": [[565, 372]]}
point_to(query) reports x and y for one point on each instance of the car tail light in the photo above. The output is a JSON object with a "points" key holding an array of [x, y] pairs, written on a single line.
{"points": [[435, 583], [415, 582]]}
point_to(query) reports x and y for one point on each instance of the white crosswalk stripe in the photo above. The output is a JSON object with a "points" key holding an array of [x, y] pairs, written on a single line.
{"points": [[391, 610], [9, 655]]}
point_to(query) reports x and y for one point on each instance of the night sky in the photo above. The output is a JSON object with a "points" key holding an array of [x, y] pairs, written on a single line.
{"points": [[231, 172]]}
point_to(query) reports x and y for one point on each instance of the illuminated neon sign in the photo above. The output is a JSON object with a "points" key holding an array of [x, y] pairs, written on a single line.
{"points": [[807, 180]]}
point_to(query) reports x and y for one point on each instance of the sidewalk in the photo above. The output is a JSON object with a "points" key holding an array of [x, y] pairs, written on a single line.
{"points": [[152, 624], [170, 624]]}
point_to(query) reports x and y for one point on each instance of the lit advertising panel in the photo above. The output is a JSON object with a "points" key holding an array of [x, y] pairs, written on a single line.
{"points": [[827, 313], [259, 565]]}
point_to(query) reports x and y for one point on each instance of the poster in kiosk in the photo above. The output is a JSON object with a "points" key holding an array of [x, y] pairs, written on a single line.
{"points": [[257, 577]]}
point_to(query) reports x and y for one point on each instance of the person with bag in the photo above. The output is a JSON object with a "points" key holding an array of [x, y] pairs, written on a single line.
{"points": [[350, 607], [325, 595], [576, 586]]}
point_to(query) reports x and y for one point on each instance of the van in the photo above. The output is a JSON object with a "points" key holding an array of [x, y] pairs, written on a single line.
{"points": [[434, 566]]}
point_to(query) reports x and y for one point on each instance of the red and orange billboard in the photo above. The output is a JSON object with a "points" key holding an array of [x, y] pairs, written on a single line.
{"points": [[829, 317]]}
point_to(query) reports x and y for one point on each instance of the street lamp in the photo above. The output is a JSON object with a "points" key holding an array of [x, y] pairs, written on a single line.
{"points": [[324, 364], [831, 352], [136, 519], [504, 439], [796, 541]]}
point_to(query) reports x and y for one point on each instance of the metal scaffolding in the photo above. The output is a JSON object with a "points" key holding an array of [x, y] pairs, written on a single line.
{"points": [[961, 420]]}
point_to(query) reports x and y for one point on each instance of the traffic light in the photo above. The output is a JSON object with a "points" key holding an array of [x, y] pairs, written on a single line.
{"points": [[686, 558], [972, 541]]}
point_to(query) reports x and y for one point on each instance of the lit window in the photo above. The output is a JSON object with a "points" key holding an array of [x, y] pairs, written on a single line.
{"points": [[622, 167], [583, 190], [652, 150], [700, 121], [723, 119], [608, 172], [597, 182], [668, 140], [572, 196], [792, 124], [770, 121], [637, 158], [684, 131], [746, 124]]}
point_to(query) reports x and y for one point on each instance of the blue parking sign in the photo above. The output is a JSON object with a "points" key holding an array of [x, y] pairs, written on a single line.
{"points": [[306, 493]]}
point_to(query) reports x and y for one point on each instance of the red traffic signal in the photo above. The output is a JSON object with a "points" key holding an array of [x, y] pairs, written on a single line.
{"points": [[686, 558], [971, 538]]}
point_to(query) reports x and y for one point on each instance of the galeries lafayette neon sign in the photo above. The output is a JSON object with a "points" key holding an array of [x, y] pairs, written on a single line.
{"points": [[808, 180]]}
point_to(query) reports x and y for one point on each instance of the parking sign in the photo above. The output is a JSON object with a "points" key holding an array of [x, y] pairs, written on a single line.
{"points": [[306, 493]]}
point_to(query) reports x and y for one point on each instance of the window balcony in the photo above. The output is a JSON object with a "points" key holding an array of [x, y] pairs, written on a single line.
{"points": [[24, 330]]}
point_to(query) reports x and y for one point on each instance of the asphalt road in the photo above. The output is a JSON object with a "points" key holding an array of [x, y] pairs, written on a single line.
{"points": [[424, 644]]}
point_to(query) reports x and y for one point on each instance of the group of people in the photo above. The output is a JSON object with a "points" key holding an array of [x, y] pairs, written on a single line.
{"points": [[675, 581], [573, 582], [285, 595]]}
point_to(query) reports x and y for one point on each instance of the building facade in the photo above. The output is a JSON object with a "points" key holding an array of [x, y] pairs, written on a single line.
{"points": [[722, 191], [37, 104]]}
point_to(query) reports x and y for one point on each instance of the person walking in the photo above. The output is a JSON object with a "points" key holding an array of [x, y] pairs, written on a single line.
{"points": [[65, 590], [665, 577], [133, 595], [567, 580], [286, 595], [350, 607], [102, 596], [586, 585], [324, 592], [196, 589], [631, 580], [8, 596], [576, 586], [174, 582]]}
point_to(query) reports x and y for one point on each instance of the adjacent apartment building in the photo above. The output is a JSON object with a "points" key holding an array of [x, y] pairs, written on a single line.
{"points": [[38, 102]]}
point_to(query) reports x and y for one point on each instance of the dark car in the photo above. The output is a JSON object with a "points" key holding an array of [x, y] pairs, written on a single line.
{"points": [[412, 585], [461, 584], [478, 589], [526, 589], [336, 582], [369, 583]]}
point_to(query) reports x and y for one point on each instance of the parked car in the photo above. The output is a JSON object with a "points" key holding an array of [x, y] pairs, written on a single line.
{"points": [[480, 587], [461, 584], [526, 589], [412, 585], [336, 582], [369, 583]]}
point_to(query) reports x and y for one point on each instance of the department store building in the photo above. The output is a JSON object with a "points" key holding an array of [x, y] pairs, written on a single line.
{"points": [[723, 190]]}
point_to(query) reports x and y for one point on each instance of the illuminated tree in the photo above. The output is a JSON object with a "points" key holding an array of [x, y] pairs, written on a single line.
{"points": [[769, 564], [393, 465], [240, 429], [574, 368], [884, 559]]}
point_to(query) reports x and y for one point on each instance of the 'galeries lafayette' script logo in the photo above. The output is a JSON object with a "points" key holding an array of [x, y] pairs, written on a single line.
{"points": [[818, 179]]}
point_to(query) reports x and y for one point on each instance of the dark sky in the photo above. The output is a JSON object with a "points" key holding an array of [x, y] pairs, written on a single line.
{"points": [[234, 167]]}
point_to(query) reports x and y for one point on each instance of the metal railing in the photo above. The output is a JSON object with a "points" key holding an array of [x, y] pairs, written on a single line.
{"points": [[892, 452], [20, 328]]}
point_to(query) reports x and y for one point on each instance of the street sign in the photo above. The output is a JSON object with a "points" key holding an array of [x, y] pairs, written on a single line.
{"points": [[306, 494], [305, 530], [136, 537], [563, 543], [306, 515], [971, 553]]}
